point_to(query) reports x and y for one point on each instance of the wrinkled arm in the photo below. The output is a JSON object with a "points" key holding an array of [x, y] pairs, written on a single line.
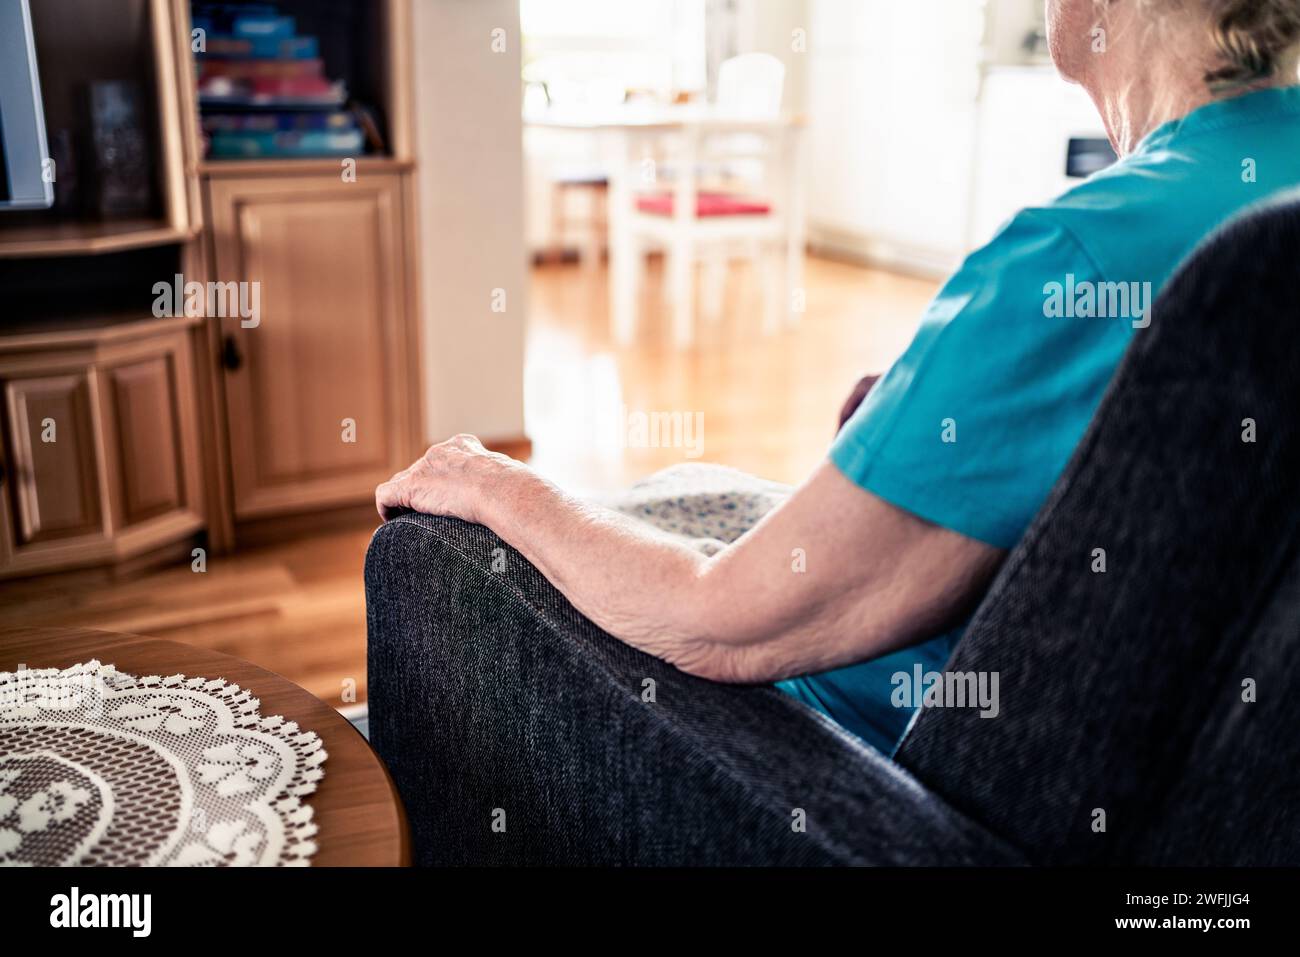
{"points": [[832, 576]]}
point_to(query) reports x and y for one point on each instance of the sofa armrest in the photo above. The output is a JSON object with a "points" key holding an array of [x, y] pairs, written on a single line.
{"points": [[519, 733]]}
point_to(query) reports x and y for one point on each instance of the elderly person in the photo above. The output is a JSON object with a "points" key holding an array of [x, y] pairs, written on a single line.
{"points": [[874, 563]]}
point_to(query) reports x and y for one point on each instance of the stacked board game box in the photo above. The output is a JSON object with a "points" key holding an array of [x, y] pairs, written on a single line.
{"points": [[264, 90]]}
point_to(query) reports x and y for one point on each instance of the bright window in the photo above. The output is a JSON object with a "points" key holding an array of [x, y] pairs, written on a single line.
{"points": [[595, 51]]}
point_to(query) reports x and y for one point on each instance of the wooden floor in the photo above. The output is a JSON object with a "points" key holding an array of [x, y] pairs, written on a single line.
{"points": [[769, 406], [296, 609]]}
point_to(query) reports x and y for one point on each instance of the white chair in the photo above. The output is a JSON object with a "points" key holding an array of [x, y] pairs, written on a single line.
{"points": [[751, 85], [741, 142]]}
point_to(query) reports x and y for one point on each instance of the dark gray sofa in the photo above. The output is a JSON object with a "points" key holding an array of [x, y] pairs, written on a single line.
{"points": [[1123, 693]]}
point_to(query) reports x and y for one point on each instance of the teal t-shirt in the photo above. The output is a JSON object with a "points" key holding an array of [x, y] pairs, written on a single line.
{"points": [[972, 426]]}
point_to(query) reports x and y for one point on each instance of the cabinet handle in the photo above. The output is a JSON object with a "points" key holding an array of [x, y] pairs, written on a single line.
{"points": [[231, 357]]}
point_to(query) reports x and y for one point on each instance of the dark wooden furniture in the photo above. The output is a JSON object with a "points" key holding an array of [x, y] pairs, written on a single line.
{"points": [[360, 816], [126, 438]]}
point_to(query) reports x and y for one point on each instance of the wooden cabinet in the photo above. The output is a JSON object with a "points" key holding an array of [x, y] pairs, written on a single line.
{"points": [[164, 429], [318, 392], [100, 446], [53, 461]]}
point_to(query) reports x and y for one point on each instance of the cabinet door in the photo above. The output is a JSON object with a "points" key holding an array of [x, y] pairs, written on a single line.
{"points": [[151, 446], [316, 393], [53, 467]]}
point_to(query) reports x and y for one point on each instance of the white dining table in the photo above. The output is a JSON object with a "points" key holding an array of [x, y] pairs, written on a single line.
{"points": [[623, 132]]}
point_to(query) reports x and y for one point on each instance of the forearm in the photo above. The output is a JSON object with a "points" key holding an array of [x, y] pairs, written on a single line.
{"points": [[636, 583], [831, 577], [754, 612]]}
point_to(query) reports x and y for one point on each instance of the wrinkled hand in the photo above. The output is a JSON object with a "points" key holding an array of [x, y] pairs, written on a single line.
{"points": [[865, 385], [449, 479]]}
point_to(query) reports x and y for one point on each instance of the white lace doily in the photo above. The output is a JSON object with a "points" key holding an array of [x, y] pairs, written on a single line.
{"points": [[103, 768]]}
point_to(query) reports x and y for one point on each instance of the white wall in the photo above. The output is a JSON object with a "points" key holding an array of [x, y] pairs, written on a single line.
{"points": [[1027, 116], [1007, 23], [774, 23], [929, 127], [471, 212], [892, 105]]}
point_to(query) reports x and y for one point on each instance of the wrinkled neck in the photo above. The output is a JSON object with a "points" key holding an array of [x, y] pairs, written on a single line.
{"points": [[1152, 76], [1133, 103]]}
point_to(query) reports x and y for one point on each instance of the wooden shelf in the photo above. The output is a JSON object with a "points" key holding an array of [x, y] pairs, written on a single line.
{"points": [[139, 43], [301, 167], [92, 329], [89, 239]]}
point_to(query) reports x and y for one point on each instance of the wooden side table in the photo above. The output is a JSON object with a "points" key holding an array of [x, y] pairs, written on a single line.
{"points": [[356, 806]]}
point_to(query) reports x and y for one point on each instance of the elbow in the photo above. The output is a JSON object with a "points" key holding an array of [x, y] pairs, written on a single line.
{"points": [[713, 662], [712, 640], [726, 663], [703, 630]]}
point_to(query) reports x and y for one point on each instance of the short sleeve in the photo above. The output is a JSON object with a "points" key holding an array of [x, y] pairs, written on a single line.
{"points": [[973, 425]]}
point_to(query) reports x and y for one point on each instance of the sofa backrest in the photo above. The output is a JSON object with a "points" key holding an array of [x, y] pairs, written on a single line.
{"points": [[1150, 712]]}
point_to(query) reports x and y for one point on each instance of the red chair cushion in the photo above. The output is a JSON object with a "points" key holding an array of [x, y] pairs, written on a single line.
{"points": [[706, 204]]}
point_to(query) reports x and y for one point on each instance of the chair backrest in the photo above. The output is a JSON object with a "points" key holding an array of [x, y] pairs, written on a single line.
{"points": [[751, 85], [1148, 713]]}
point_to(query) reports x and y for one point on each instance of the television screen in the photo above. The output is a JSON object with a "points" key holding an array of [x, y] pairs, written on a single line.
{"points": [[24, 183]]}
